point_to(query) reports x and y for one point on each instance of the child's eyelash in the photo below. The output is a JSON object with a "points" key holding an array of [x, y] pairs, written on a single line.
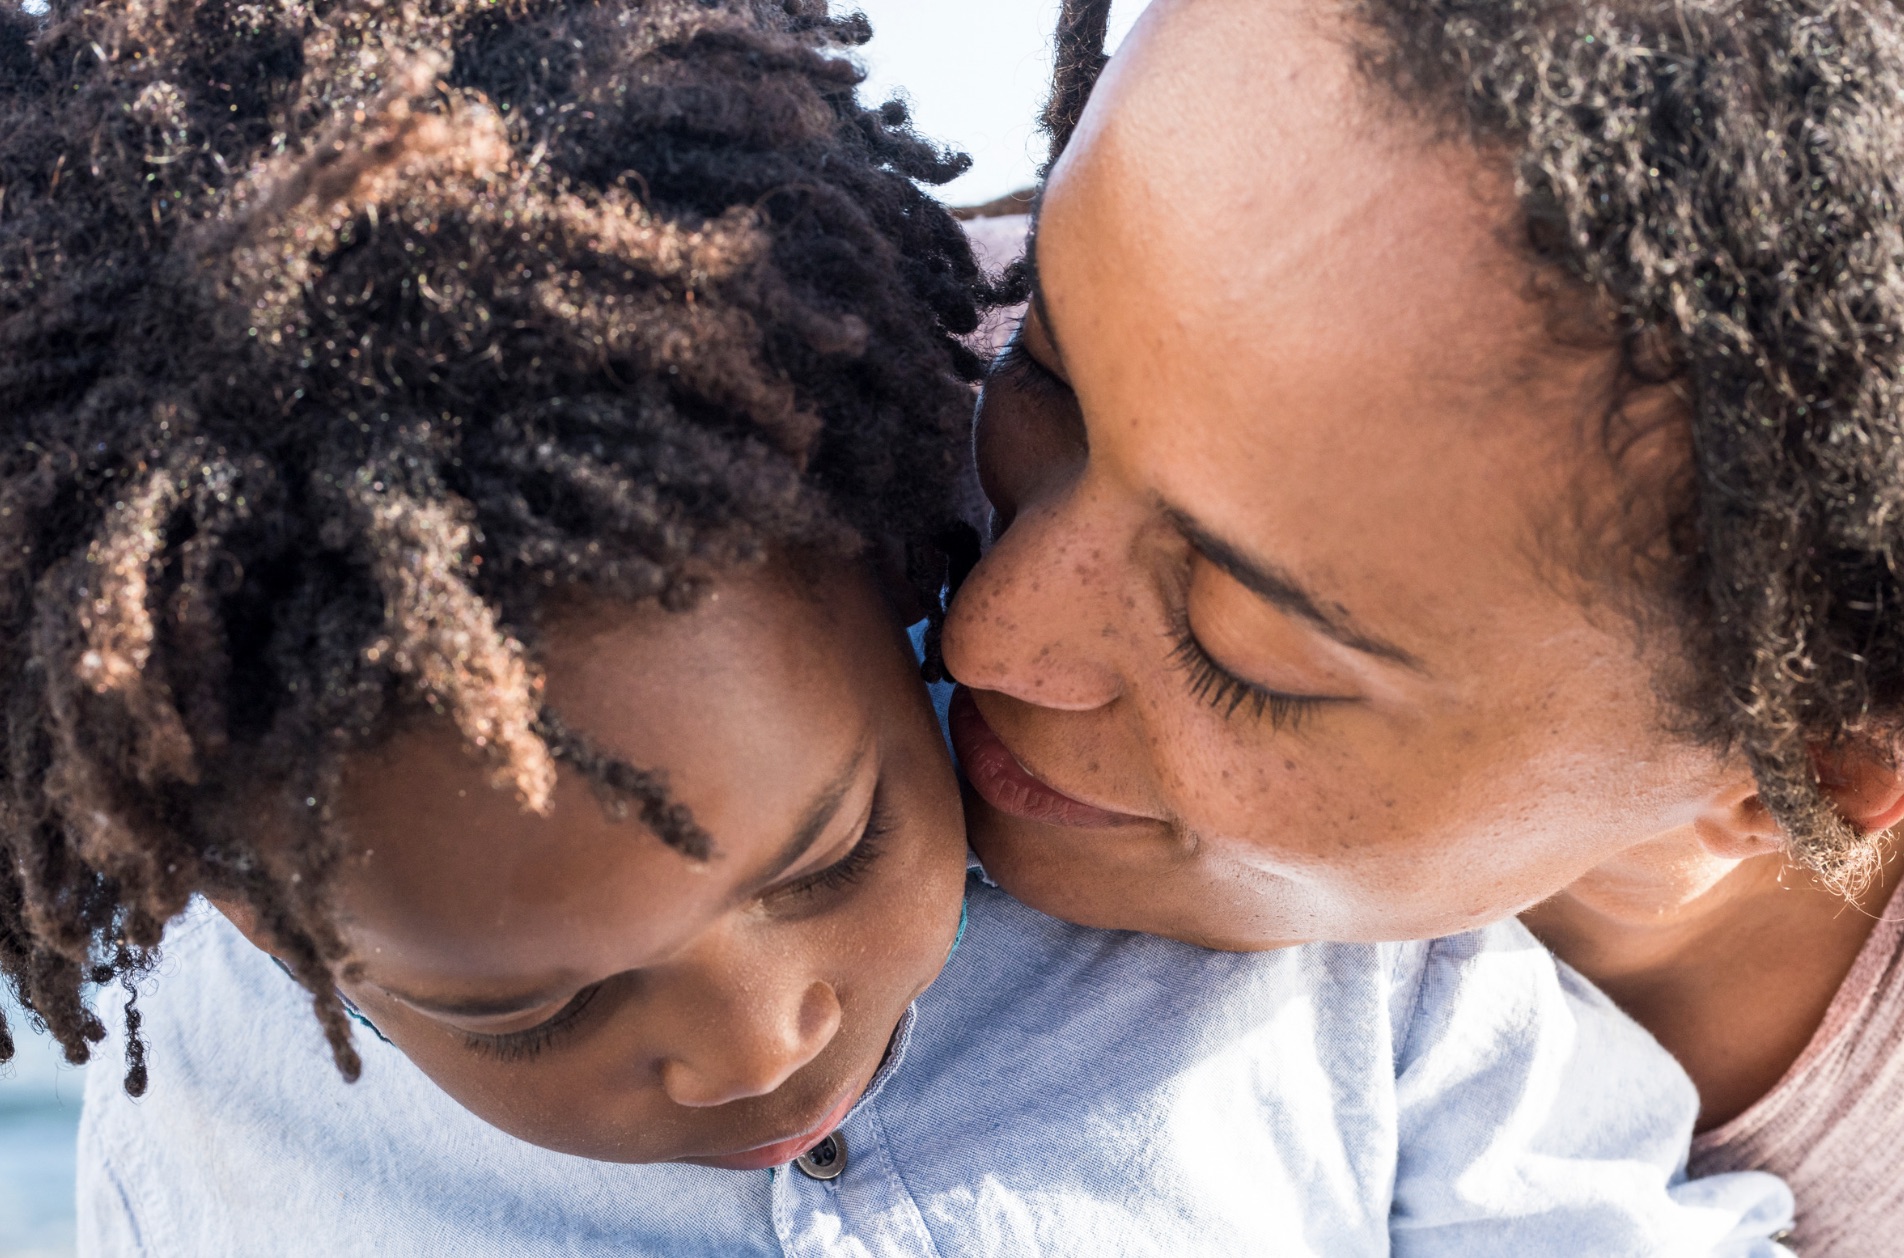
{"points": [[847, 870], [1228, 693], [522, 1045], [1016, 364]]}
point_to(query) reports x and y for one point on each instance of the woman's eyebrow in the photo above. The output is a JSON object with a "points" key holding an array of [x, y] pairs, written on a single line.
{"points": [[1280, 589]]}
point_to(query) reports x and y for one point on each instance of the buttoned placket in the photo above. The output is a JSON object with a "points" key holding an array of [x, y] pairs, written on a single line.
{"points": [[867, 1209]]}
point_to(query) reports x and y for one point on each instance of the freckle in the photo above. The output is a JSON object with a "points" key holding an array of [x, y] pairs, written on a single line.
{"points": [[1091, 767], [1290, 765]]}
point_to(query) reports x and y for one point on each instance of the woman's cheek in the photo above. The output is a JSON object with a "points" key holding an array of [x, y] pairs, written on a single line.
{"points": [[1298, 796]]}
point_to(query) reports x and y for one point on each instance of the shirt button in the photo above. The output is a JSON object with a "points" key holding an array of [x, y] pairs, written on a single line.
{"points": [[825, 1160]]}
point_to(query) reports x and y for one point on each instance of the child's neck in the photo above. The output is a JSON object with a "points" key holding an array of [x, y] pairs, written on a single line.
{"points": [[1731, 964]]}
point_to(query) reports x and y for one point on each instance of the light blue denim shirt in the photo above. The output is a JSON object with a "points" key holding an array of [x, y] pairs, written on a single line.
{"points": [[1059, 1091]]}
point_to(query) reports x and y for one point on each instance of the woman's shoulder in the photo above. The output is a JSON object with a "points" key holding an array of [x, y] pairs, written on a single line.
{"points": [[1832, 1126]]}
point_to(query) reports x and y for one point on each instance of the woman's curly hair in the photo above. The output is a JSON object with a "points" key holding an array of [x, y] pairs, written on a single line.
{"points": [[336, 334], [1721, 180]]}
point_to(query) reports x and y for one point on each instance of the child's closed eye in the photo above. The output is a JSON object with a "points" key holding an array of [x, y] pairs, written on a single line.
{"points": [[522, 1045], [847, 870]]}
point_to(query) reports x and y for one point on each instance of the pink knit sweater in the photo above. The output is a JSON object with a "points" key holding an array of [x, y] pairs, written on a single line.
{"points": [[1834, 1125]]}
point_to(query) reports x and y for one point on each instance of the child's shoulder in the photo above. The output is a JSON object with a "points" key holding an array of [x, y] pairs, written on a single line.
{"points": [[1140, 1074], [1368, 1014], [1011, 951], [1037, 981]]}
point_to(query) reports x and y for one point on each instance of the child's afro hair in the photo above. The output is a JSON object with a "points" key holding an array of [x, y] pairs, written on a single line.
{"points": [[336, 334]]}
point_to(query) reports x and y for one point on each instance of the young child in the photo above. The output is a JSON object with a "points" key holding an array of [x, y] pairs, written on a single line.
{"points": [[461, 461]]}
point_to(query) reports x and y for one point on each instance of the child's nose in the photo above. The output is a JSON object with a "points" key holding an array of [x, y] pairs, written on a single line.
{"points": [[752, 1052]]}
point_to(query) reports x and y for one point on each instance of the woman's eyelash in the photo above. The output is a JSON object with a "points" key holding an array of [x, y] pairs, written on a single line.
{"points": [[1228, 693], [522, 1045], [847, 870]]}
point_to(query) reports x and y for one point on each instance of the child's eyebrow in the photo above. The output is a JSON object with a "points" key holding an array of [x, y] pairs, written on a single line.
{"points": [[477, 1007], [814, 822]]}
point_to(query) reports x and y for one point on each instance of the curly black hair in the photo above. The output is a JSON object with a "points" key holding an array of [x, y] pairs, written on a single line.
{"points": [[1719, 183], [336, 335]]}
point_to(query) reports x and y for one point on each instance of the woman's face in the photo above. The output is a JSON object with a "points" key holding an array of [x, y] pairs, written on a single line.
{"points": [[573, 981], [1278, 640]]}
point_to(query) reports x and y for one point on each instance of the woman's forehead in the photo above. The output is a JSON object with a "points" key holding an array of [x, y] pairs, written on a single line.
{"points": [[1332, 354]]}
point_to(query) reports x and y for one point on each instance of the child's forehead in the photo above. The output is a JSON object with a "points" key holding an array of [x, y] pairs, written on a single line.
{"points": [[781, 661], [450, 876], [762, 711]]}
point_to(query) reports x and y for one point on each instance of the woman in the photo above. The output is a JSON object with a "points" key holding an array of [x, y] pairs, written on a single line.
{"points": [[1484, 494]]}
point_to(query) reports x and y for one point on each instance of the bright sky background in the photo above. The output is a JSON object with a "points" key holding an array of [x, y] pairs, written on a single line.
{"points": [[976, 72]]}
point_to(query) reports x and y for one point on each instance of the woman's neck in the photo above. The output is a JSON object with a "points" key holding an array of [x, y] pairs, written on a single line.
{"points": [[1731, 964]]}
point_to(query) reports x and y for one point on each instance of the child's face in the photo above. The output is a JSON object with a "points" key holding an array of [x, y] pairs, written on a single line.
{"points": [[578, 984]]}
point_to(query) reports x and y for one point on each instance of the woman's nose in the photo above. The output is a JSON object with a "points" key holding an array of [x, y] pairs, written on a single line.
{"points": [[1039, 617], [751, 1050]]}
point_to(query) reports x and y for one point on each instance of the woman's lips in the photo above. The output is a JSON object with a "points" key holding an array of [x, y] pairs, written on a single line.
{"points": [[1001, 781], [781, 1152]]}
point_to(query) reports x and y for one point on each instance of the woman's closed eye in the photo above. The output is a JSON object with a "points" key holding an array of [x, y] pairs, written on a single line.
{"points": [[1229, 694], [1247, 659], [1030, 435]]}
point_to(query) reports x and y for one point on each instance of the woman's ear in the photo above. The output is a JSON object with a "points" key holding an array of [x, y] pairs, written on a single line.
{"points": [[1868, 792], [1735, 825]]}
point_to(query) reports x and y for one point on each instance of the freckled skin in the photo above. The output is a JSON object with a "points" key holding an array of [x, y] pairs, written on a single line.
{"points": [[1333, 358], [724, 1020]]}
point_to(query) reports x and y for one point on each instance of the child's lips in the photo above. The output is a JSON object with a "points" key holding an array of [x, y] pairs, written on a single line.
{"points": [[1004, 783], [781, 1152]]}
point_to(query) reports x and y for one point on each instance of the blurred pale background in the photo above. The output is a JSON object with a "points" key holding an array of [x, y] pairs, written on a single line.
{"points": [[39, 1108], [975, 72]]}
